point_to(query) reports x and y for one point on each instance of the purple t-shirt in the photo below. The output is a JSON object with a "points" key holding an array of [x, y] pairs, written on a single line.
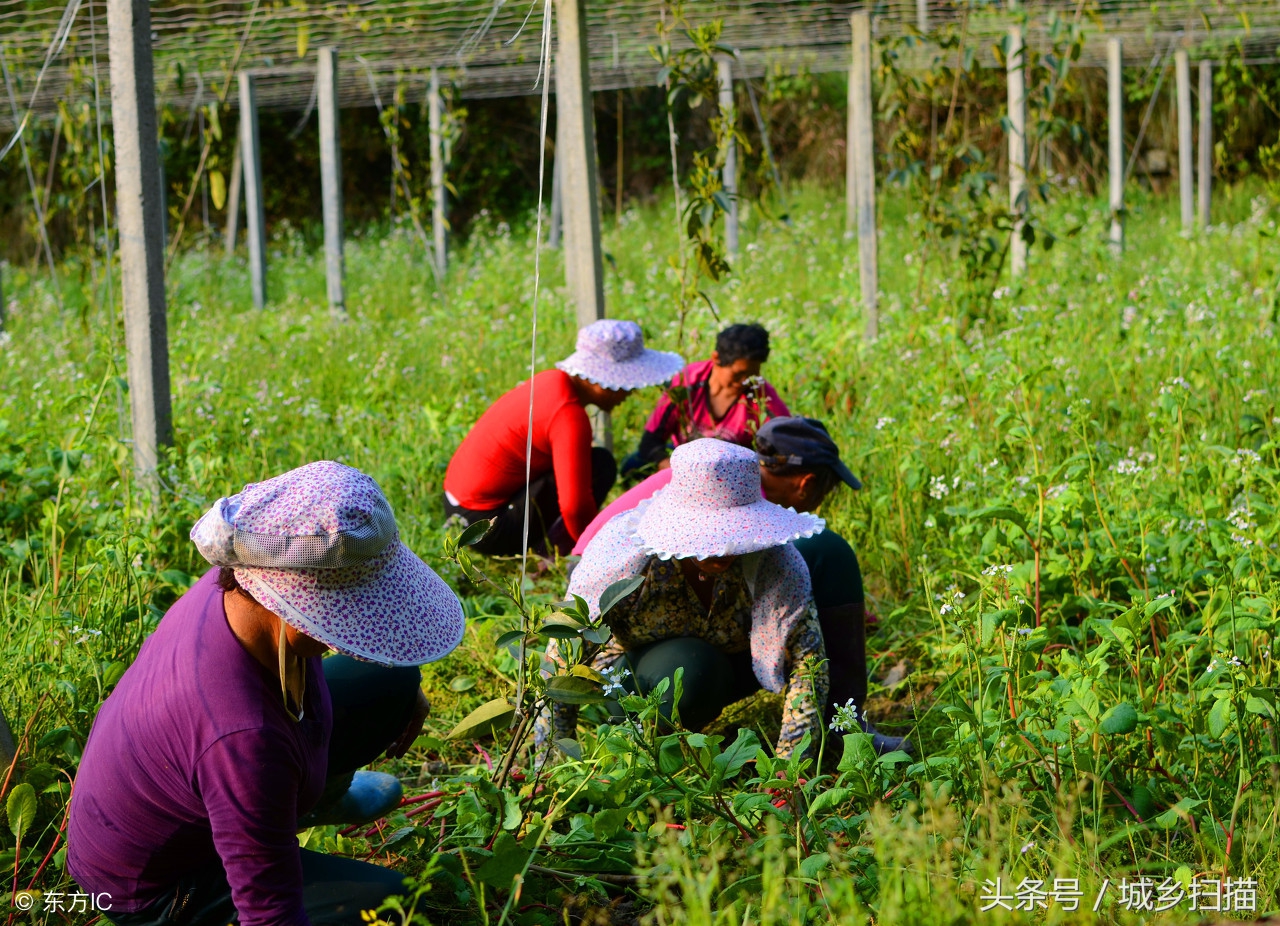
{"points": [[193, 759]]}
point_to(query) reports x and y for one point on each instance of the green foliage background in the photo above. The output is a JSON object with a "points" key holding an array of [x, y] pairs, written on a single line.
{"points": [[1104, 707]]}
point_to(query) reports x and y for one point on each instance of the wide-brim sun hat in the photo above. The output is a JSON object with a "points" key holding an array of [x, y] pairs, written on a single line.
{"points": [[713, 507], [318, 546], [611, 353]]}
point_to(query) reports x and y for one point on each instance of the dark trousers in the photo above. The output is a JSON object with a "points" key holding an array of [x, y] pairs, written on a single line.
{"points": [[546, 528], [371, 707], [712, 679]]}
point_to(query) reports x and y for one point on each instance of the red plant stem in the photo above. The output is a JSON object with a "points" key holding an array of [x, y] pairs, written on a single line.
{"points": [[487, 760], [419, 798], [48, 855], [425, 807]]}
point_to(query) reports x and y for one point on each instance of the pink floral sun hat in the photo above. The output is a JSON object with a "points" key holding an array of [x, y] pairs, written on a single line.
{"points": [[713, 507], [319, 547], [611, 353]]}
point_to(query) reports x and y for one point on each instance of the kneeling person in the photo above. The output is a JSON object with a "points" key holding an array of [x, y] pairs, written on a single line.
{"points": [[568, 478]]}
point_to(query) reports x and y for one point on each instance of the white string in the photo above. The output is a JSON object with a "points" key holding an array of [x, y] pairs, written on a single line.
{"points": [[544, 74], [55, 48]]}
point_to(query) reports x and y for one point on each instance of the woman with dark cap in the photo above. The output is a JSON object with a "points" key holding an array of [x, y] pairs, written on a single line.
{"points": [[228, 734], [724, 397]]}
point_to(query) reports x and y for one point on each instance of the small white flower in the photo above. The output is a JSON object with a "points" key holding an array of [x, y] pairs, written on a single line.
{"points": [[882, 423], [938, 487]]}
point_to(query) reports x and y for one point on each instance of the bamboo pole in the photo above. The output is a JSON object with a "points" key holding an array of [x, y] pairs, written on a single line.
{"points": [[1205, 172], [251, 158], [1186, 170], [439, 203], [1115, 139], [1017, 150], [331, 179], [862, 157]]}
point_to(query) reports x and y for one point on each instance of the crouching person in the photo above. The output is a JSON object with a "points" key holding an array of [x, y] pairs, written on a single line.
{"points": [[725, 596], [229, 733], [567, 477]]}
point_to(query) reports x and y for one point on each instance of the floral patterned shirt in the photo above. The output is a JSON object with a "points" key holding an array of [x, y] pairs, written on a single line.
{"points": [[762, 604]]}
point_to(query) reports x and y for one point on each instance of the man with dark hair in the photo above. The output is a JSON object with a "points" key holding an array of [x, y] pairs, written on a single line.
{"points": [[724, 397]]}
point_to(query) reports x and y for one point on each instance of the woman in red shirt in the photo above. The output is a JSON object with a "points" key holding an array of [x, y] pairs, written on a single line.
{"points": [[567, 478]]}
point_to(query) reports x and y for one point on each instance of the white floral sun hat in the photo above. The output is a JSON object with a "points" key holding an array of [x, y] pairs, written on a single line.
{"points": [[319, 547], [611, 353], [713, 507]]}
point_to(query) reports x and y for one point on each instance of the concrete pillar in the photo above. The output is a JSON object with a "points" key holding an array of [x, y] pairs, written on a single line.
{"points": [[922, 15], [140, 222], [1115, 139], [1205, 172], [557, 203], [862, 157], [1017, 86], [255, 222], [1186, 172], [234, 185], [439, 220], [579, 183], [729, 176], [331, 178]]}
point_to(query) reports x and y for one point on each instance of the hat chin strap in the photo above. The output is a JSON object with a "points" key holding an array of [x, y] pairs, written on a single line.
{"points": [[284, 679]]}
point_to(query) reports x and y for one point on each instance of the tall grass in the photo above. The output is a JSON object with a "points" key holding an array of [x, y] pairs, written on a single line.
{"points": [[1067, 529]]}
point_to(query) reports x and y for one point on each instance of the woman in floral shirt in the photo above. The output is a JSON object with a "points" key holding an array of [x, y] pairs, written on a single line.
{"points": [[726, 596]]}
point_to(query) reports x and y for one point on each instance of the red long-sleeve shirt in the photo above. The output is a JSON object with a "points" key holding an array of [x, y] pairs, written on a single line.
{"points": [[488, 468]]}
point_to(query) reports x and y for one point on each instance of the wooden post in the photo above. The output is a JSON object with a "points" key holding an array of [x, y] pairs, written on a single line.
{"points": [[133, 111], [331, 178], [922, 15], [862, 156], [1205, 172], [233, 200], [439, 221], [1186, 172], [578, 180], [1115, 139], [251, 158], [729, 176], [1017, 87]]}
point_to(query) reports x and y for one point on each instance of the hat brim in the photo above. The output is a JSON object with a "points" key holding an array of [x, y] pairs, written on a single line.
{"points": [[846, 475], [649, 368], [397, 611], [668, 530]]}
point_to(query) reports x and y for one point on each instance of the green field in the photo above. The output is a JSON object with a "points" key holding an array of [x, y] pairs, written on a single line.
{"points": [[1102, 707]]}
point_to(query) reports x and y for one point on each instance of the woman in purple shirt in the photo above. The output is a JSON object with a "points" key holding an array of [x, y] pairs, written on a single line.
{"points": [[229, 733]]}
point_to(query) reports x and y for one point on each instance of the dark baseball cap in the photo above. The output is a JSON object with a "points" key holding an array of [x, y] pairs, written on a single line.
{"points": [[801, 442]]}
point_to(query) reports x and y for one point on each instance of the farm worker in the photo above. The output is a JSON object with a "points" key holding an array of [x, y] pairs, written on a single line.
{"points": [[799, 467], [726, 595], [229, 734], [568, 478], [724, 397]]}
